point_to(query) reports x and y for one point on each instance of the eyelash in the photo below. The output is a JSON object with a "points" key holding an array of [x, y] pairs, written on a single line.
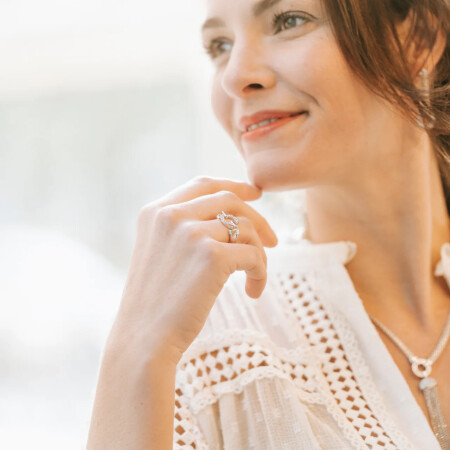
{"points": [[279, 17], [277, 21]]}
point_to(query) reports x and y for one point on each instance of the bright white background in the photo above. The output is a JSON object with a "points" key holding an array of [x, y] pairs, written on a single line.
{"points": [[104, 106]]}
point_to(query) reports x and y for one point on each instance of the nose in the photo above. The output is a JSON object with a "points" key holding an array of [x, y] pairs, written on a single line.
{"points": [[247, 70]]}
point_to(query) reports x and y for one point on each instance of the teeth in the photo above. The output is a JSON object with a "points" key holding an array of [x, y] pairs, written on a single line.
{"points": [[266, 122], [260, 124]]}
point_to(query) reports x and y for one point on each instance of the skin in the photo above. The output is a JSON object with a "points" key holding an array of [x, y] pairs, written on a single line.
{"points": [[370, 174], [158, 318]]}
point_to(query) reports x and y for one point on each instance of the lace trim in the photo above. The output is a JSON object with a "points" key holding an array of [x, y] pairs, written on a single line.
{"points": [[230, 360], [362, 416], [366, 383], [349, 431], [185, 428]]}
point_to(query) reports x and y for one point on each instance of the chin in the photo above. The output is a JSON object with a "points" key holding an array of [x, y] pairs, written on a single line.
{"points": [[268, 178], [274, 175]]}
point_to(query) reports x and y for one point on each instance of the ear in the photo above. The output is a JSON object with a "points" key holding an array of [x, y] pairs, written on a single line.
{"points": [[426, 47]]}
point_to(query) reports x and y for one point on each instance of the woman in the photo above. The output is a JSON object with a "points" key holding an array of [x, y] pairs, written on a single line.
{"points": [[347, 99]]}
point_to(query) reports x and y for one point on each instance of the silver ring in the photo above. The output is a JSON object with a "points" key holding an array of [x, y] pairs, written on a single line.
{"points": [[231, 222]]}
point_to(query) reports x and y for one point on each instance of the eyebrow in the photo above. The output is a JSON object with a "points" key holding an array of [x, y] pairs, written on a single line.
{"points": [[257, 9], [263, 5]]}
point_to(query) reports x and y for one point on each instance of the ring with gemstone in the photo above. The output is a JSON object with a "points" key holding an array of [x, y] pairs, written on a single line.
{"points": [[231, 222]]}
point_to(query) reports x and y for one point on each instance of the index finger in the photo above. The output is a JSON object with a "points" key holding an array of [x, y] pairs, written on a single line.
{"points": [[200, 186]]}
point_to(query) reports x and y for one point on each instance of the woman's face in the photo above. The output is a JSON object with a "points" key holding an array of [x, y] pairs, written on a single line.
{"points": [[278, 58]]}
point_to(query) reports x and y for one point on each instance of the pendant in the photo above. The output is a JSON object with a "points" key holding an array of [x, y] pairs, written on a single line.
{"points": [[428, 386]]}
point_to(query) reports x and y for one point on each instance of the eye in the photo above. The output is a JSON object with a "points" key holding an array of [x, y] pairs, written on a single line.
{"points": [[287, 20], [217, 46]]}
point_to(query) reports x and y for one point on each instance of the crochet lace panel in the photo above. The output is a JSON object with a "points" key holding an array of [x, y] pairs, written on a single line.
{"points": [[330, 372], [359, 403], [217, 369]]}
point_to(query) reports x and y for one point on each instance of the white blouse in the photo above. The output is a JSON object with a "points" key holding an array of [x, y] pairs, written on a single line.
{"points": [[302, 367]]}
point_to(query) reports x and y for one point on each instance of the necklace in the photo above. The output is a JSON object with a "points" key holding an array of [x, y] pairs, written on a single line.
{"points": [[421, 367]]}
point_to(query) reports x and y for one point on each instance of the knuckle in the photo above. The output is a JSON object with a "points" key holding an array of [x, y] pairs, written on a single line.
{"points": [[192, 231], [257, 256], [146, 212], [201, 179], [168, 215], [228, 195], [246, 223]]}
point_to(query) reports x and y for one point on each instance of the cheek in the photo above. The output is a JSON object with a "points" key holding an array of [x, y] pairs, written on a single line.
{"points": [[341, 105], [317, 70], [221, 105]]}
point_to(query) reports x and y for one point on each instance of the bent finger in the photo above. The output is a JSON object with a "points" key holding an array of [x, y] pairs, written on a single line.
{"points": [[216, 230], [200, 186], [208, 206], [247, 258]]}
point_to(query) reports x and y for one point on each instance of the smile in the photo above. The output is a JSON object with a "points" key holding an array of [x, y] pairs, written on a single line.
{"points": [[261, 124], [257, 130]]}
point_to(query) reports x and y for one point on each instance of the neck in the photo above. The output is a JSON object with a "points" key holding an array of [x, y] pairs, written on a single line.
{"points": [[397, 216]]}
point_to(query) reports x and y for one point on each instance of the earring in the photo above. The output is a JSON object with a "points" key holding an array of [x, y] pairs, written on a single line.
{"points": [[425, 86]]}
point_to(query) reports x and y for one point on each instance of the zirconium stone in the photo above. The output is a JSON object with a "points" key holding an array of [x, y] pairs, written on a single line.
{"points": [[427, 383], [234, 233]]}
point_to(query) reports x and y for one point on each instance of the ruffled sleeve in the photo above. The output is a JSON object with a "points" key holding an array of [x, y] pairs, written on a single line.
{"points": [[263, 415], [443, 266], [247, 382]]}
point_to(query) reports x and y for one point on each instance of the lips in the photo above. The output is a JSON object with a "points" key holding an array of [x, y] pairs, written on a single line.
{"points": [[247, 121], [262, 124]]}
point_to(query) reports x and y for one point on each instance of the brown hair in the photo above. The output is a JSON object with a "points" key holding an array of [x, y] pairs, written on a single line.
{"points": [[366, 33]]}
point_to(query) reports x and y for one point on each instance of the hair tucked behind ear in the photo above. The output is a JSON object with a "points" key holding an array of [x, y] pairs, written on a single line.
{"points": [[366, 33]]}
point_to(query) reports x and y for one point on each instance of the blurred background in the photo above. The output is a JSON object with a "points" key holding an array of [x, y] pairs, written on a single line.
{"points": [[104, 106]]}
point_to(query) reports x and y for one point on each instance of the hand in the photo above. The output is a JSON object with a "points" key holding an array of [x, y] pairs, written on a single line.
{"points": [[182, 258]]}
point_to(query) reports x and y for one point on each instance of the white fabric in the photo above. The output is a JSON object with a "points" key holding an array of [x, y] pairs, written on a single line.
{"points": [[302, 367]]}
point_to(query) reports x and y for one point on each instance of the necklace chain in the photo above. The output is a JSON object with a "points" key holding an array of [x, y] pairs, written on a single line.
{"points": [[409, 354]]}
